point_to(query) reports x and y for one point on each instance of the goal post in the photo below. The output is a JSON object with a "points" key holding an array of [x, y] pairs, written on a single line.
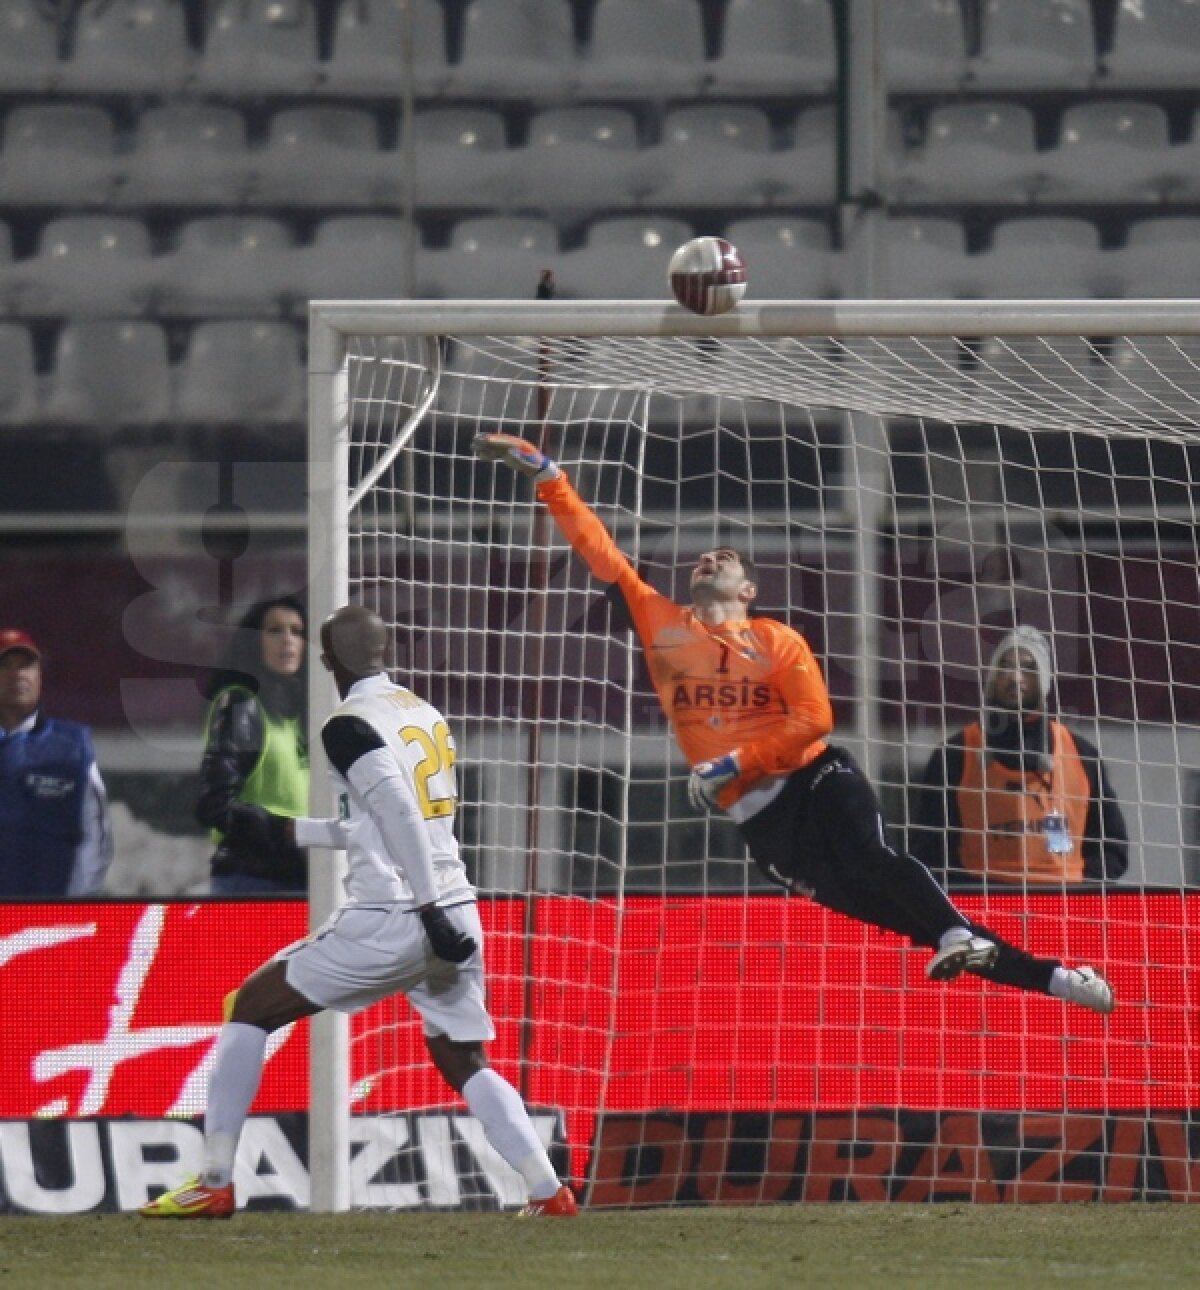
{"points": [[912, 479]]}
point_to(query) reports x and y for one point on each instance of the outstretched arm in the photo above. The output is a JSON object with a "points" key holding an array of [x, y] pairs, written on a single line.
{"points": [[576, 520], [326, 833]]}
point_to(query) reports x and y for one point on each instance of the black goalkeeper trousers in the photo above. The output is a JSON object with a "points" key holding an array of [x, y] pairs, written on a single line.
{"points": [[825, 832]]}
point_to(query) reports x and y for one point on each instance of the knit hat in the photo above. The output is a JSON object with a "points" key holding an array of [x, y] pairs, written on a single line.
{"points": [[1035, 644]]}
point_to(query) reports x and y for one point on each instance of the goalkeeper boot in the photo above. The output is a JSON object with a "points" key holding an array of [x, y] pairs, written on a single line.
{"points": [[1086, 987], [966, 954], [560, 1205], [192, 1200]]}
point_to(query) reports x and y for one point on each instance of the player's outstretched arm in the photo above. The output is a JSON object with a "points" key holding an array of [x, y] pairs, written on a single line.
{"points": [[575, 519], [520, 454], [325, 833]]}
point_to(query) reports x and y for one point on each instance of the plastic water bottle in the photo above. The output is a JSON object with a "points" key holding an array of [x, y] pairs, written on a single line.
{"points": [[1058, 840]]}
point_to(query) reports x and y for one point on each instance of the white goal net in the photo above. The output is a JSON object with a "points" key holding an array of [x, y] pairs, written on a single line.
{"points": [[912, 482]]}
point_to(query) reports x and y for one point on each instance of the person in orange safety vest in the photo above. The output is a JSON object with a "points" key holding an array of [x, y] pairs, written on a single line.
{"points": [[1016, 797]]}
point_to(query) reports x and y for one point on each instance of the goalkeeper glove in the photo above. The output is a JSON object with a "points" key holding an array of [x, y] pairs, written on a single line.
{"points": [[709, 777], [520, 454], [447, 941]]}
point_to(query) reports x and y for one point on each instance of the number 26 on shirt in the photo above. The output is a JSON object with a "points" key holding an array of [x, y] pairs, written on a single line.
{"points": [[433, 775]]}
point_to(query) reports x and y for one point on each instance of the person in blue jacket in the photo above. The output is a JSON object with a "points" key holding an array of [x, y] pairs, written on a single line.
{"points": [[55, 834]]}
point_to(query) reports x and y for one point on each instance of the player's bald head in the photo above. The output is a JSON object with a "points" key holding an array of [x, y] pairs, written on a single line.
{"points": [[355, 639]]}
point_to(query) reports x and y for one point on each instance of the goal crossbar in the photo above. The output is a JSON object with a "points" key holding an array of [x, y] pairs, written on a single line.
{"points": [[835, 318]]}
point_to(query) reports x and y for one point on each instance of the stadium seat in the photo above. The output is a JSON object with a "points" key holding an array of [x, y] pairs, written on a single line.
{"points": [[18, 376], [712, 155], [1161, 257], [973, 152], [108, 374], [925, 258], [774, 47], [1154, 46], [186, 154], [226, 266], [494, 257], [257, 48], [1035, 45], [661, 235], [356, 257], [643, 51], [318, 155], [624, 257], [370, 57], [128, 47], [516, 49], [58, 154], [242, 373], [86, 265], [578, 160], [924, 46], [1057, 257], [786, 259], [806, 168], [1182, 166], [1109, 151], [462, 162], [29, 62]]}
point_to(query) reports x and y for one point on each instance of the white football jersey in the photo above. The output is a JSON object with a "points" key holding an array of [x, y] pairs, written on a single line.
{"points": [[417, 763]]}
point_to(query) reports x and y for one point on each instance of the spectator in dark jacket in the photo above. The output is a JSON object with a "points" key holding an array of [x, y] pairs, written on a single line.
{"points": [[255, 767]]}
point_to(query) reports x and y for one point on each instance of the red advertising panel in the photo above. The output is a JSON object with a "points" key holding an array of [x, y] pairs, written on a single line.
{"points": [[112, 1009], [695, 1004]]}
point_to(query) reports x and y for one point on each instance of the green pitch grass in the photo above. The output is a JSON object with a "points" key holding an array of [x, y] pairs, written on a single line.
{"points": [[832, 1246]]}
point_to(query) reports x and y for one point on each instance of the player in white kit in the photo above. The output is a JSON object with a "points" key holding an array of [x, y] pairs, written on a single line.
{"points": [[409, 924]]}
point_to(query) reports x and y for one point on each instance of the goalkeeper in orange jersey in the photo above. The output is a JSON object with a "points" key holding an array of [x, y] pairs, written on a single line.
{"points": [[751, 713]]}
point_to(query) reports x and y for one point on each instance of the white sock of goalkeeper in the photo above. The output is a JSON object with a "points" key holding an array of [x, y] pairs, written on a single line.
{"points": [[507, 1126], [235, 1077]]}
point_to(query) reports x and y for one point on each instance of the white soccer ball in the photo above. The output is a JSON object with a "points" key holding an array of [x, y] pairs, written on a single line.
{"points": [[707, 275]]}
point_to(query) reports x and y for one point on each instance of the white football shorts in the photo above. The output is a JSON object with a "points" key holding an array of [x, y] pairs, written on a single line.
{"points": [[362, 954]]}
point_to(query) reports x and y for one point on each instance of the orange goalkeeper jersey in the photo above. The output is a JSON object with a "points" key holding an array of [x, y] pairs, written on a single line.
{"points": [[751, 686]]}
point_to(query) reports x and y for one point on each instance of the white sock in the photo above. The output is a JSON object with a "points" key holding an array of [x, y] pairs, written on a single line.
{"points": [[506, 1125], [236, 1073], [954, 935], [1060, 983]]}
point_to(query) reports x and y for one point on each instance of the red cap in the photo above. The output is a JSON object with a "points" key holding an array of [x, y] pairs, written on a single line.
{"points": [[15, 638]]}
